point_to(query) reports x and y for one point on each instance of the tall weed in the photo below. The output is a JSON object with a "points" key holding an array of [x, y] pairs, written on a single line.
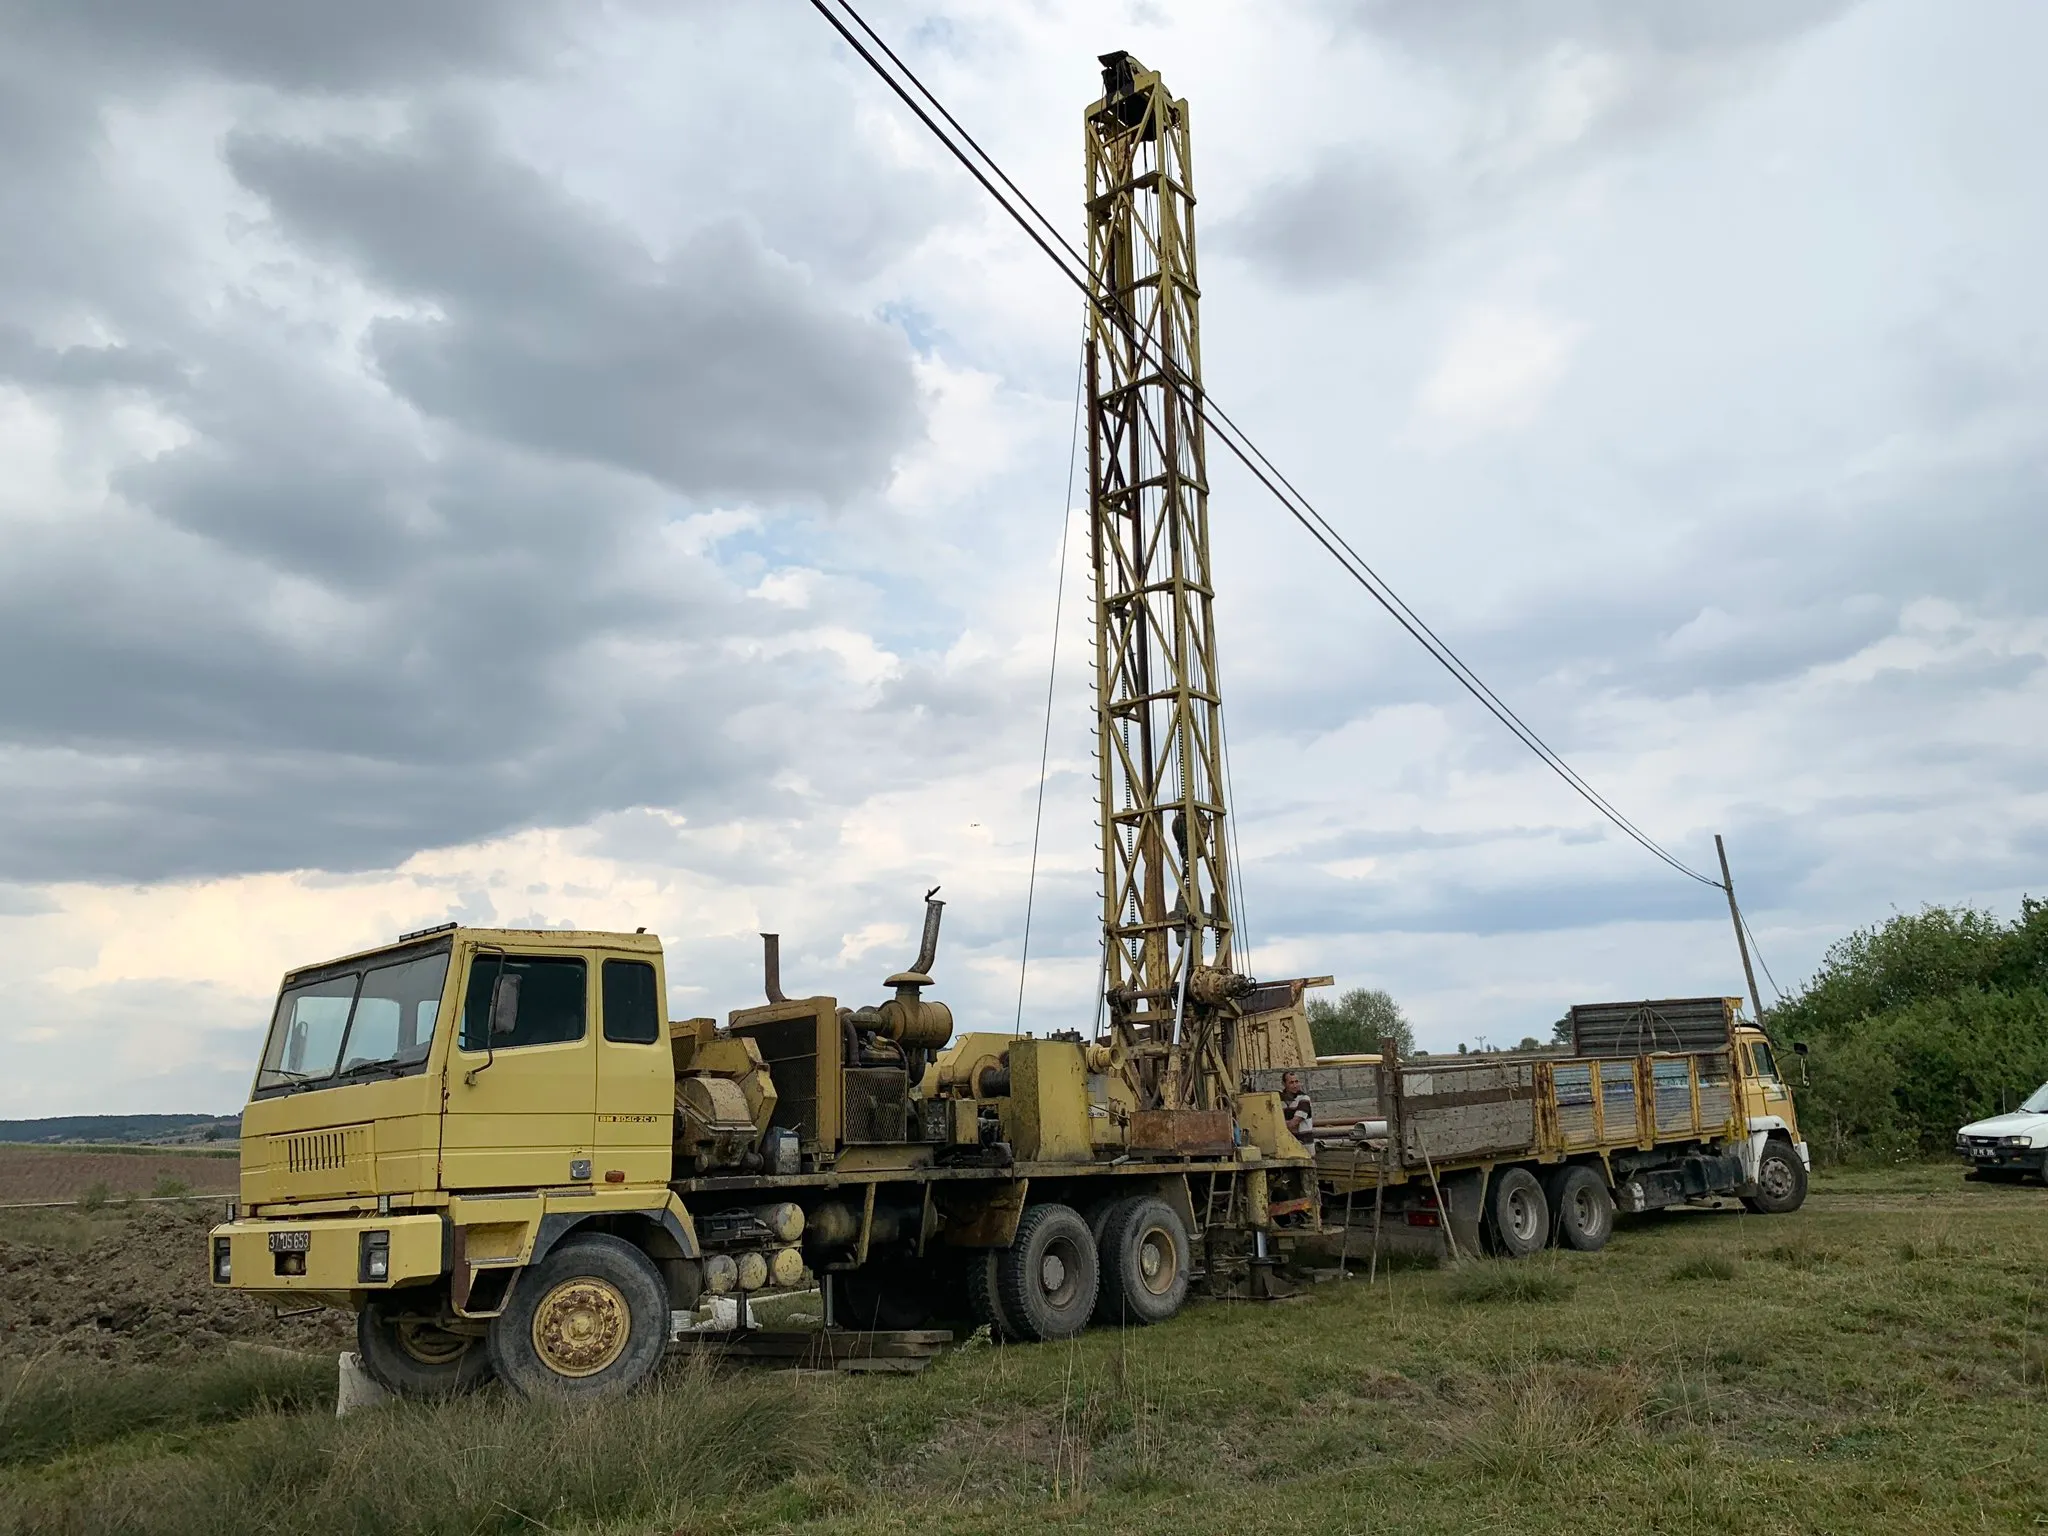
{"points": [[486, 1464]]}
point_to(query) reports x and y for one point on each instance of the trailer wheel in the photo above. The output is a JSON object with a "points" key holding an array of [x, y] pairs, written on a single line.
{"points": [[1146, 1258], [1517, 1218], [1582, 1211], [410, 1355], [1780, 1180], [1047, 1278], [589, 1320]]}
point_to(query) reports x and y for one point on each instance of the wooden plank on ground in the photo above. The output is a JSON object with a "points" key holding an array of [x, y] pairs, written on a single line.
{"points": [[904, 1349]]}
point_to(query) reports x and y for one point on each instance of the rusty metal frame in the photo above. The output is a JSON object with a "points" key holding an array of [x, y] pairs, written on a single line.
{"points": [[1169, 968]]}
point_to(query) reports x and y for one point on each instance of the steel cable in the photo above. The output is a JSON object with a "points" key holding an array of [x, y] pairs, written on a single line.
{"points": [[1061, 252]]}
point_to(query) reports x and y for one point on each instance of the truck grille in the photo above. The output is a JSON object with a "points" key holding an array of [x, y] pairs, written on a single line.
{"points": [[323, 1151]]}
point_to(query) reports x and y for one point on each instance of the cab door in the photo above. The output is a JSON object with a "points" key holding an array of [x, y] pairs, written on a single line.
{"points": [[521, 1085], [636, 1079], [1765, 1090]]}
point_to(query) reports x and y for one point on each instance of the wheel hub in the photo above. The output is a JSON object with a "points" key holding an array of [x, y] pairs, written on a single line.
{"points": [[428, 1343], [581, 1326], [1158, 1264], [1522, 1215], [1052, 1273]]}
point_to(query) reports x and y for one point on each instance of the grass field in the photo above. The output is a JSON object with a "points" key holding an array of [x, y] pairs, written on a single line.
{"points": [[1876, 1363], [30, 1173]]}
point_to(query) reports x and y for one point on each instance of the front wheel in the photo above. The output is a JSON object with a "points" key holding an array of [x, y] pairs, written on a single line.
{"points": [[1780, 1180], [412, 1355], [589, 1320]]}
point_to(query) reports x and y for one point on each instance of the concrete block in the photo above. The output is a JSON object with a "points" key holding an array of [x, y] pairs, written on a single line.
{"points": [[357, 1388]]}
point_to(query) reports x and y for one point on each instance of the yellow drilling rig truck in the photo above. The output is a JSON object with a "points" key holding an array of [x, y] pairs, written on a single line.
{"points": [[494, 1147], [491, 1145]]}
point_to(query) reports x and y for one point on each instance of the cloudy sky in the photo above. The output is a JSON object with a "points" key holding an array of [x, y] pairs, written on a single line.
{"points": [[556, 463]]}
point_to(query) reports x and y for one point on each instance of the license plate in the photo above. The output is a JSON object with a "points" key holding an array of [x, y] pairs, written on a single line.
{"points": [[1984, 1154], [290, 1242]]}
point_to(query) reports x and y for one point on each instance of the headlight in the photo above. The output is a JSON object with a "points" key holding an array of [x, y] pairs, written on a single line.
{"points": [[2022, 1140], [223, 1266], [374, 1260]]}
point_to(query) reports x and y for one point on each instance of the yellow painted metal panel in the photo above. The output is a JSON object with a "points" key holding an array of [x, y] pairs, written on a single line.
{"points": [[1047, 1116], [522, 1117], [333, 1252]]}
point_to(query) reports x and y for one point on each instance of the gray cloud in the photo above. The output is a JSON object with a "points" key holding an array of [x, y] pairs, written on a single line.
{"points": [[1352, 218], [360, 611], [312, 47], [1510, 33], [1545, 89], [717, 370], [24, 362]]}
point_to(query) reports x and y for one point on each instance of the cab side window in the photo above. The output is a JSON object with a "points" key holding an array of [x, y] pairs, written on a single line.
{"points": [[1766, 1065], [548, 1003], [632, 1015]]}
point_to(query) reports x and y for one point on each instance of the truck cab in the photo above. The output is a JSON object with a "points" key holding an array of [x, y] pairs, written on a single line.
{"points": [[444, 1107], [462, 1060], [1772, 1124]]}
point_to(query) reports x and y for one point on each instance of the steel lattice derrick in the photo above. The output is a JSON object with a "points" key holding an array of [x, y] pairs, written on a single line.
{"points": [[1169, 971]]}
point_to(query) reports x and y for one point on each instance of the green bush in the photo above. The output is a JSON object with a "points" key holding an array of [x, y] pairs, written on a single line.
{"points": [[1919, 1025], [1357, 1022]]}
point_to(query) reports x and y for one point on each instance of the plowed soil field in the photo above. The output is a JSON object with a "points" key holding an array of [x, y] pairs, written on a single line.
{"points": [[67, 1173], [130, 1284]]}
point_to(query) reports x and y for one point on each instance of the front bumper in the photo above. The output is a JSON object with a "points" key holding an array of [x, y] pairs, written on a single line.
{"points": [[329, 1253], [1992, 1158]]}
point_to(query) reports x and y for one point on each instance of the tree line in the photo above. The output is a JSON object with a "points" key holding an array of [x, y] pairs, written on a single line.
{"points": [[1918, 1025]]}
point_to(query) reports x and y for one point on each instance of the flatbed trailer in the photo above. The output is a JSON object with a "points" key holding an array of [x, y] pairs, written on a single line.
{"points": [[1656, 1104]]}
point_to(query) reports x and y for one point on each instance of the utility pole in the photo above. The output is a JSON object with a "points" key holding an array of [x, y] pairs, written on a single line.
{"points": [[1756, 1000], [1170, 974]]}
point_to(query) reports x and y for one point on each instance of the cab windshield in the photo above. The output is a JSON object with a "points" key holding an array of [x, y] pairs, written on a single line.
{"points": [[2037, 1102], [353, 1023]]}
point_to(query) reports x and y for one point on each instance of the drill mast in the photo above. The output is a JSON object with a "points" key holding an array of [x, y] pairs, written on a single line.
{"points": [[1170, 973]]}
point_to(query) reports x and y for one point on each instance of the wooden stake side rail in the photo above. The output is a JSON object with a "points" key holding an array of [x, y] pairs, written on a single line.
{"points": [[1461, 1112]]}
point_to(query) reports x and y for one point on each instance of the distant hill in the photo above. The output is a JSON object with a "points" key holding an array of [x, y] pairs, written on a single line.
{"points": [[158, 1129]]}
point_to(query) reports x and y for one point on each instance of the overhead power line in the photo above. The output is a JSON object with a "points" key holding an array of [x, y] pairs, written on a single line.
{"points": [[1046, 235]]}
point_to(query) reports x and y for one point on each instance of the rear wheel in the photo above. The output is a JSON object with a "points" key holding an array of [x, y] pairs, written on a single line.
{"points": [[984, 1301], [589, 1320], [1517, 1218], [1780, 1180], [413, 1355], [1046, 1280], [1582, 1211], [1145, 1260]]}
